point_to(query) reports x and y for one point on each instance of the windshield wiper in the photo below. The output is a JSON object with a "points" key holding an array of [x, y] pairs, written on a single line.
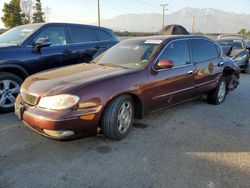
{"points": [[111, 65]]}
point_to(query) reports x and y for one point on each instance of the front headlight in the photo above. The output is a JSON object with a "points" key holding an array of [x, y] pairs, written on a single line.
{"points": [[240, 58], [58, 102]]}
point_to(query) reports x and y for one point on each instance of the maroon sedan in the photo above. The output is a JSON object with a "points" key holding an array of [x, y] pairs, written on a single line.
{"points": [[131, 79]]}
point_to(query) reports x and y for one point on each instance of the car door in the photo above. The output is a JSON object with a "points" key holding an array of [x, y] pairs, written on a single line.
{"points": [[208, 61], [83, 43], [176, 84], [55, 55]]}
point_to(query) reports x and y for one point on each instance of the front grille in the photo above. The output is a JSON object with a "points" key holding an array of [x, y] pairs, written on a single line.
{"points": [[29, 98]]}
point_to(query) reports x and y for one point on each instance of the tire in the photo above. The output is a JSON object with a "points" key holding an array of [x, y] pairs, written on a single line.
{"points": [[217, 96], [10, 85], [245, 70], [118, 117]]}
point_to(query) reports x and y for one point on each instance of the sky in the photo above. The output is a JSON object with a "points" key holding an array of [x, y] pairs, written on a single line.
{"points": [[85, 11]]}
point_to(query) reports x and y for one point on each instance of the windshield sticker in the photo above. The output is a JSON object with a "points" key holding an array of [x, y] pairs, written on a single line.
{"points": [[237, 40], [27, 30], [153, 42]]}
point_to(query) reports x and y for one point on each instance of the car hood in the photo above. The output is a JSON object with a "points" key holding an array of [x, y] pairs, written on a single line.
{"points": [[7, 45], [65, 80], [236, 52]]}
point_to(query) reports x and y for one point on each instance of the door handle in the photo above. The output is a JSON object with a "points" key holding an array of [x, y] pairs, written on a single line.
{"points": [[221, 64], [66, 51], [98, 47], [190, 72]]}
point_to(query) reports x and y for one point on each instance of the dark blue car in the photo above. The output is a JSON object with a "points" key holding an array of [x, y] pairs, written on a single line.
{"points": [[28, 49], [236, 48]]}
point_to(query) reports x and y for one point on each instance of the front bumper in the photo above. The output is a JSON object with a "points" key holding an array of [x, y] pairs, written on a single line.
{"points": [[243, 64], [60, 125]]}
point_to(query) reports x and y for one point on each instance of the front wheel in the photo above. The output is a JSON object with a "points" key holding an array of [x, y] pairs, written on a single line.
{"points": [[118, 117], [218, 95], [246, 69], [9, 88]]}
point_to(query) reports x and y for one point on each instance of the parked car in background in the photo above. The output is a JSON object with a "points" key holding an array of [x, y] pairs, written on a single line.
{"points": [[248, 45], [237, 49], [29, 49], [132, 78]]}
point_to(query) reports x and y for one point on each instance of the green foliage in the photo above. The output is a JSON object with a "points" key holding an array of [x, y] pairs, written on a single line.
{"points": [[2, 31], [242, 31], [245, 33], [27, 9], [12, 14], [19, 12], [38, 16]]}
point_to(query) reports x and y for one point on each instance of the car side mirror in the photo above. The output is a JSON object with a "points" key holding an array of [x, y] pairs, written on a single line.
{"points": [[40, 43], [91, 51], [165, 64]]}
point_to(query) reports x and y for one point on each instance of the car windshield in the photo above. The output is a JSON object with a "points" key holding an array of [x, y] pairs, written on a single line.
{"points": [[236, 44], [131, 54], [18, 34]]}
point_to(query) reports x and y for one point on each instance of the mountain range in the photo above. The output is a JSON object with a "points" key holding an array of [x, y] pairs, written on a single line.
{"points": [[205, 20]]}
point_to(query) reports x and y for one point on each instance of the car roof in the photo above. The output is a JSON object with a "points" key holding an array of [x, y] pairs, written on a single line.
{"points": [[230, 38], [169, 37], [72, 24]]}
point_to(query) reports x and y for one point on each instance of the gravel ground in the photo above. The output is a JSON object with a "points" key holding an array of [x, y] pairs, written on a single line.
{"points": [[191, 145]]}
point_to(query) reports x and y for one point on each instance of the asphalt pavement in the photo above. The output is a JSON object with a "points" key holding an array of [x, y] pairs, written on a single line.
{"points": [[194, 144]]}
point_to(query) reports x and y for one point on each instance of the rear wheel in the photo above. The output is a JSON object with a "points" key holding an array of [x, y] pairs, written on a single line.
{"points": [[118, 117], [9, 88], [218, 95]]}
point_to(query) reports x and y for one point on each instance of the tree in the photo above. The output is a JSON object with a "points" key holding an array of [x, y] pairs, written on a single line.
{"points": [[243, 32], [38, 16], [27, 9], [12, 14]]}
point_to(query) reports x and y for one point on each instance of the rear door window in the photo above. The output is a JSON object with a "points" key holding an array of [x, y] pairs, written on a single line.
{"points": [[101, 35], [80, 34], [203, 50], [178, 52]]}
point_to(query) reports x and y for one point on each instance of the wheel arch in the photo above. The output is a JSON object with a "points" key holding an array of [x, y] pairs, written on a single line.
{"points": [[138, 104], [227, 72], [15, 69], [232, 78]]}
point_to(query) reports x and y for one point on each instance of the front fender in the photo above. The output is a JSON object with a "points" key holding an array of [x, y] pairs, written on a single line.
{"points": [[14, 66]]}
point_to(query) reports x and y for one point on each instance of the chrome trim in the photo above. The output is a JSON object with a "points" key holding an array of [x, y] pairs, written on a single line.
{"points": [[29, 98], [221, 64], [157, 58], [172, 93], [187, 39], [211, 41], [205, 83]]}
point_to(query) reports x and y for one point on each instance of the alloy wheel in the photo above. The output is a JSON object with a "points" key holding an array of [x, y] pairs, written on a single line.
{"points": [[125, 117], [9, 90], [222, 91]]}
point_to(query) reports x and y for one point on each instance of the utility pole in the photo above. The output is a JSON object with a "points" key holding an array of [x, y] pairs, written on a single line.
{"points": [[163, 14], [47, 12], [193, 23], [99, 16]]}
